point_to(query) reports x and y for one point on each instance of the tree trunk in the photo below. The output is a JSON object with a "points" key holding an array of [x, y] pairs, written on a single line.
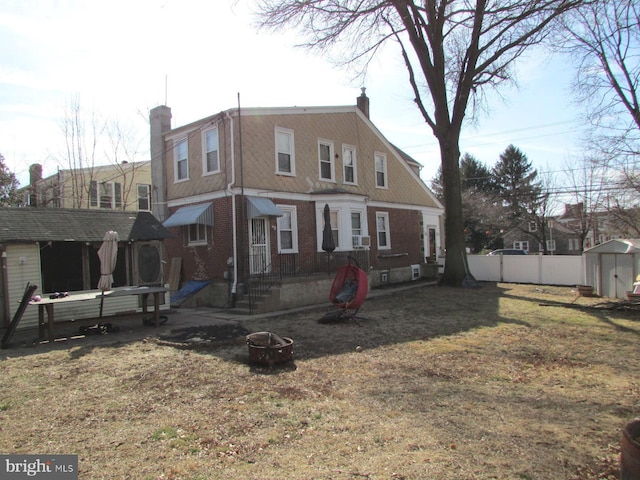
{"points": [[456, 267]]}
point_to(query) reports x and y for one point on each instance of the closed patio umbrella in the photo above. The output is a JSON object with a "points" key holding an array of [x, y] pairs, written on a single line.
{"points": [[328, 244], [108, 255]]}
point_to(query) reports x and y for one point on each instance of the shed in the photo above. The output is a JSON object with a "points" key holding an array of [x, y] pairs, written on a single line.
{"points": [[612, 266], [56, 249]]}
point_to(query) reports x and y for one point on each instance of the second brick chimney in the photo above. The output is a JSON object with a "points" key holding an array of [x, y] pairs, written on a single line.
{"points": [[363, 103]]}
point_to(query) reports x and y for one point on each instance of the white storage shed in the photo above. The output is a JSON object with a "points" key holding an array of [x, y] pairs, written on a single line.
{"points": [[612, 266]]}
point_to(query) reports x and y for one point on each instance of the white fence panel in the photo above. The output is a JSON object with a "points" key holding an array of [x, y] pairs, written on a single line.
{"points": [[562, 270], [520, 268], [484, 268], [534, 269]]}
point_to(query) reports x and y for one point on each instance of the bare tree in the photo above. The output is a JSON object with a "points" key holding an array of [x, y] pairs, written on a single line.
{"points": [[91, 143], [453, 50], [81, 139], [603, 37], [586, 189]]}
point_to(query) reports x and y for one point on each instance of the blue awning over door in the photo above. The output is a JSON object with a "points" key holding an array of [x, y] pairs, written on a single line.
{"points": [[202, 214], [263, 207]]}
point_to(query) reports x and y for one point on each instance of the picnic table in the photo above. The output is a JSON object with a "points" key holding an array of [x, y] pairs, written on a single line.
{"points": [[46, 308]]}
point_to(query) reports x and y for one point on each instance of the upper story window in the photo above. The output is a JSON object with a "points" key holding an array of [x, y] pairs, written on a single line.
{"points": [[381, 170], [144, 197], [211, 153], [105, 194], [325, 155], [349, 164], [287, 230], [181, 161], [382, 227], [285, 152]]}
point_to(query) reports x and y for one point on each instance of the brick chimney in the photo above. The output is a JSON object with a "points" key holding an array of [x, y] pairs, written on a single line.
{"points": [[35, 175], [160, 123], [363, 103]]}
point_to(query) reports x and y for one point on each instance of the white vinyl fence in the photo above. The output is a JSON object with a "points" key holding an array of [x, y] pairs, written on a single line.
{"points": [[535, 269]]}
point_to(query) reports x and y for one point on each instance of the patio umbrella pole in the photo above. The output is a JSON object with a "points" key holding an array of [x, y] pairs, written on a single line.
{"points": [[328, 244], [108, 255]]}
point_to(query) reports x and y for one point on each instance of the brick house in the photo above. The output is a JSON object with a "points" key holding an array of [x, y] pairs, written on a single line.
{"points": [[243, 191], [560, 239]]}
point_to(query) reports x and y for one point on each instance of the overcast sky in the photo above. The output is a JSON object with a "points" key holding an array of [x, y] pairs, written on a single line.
{"points": [[122, 58]]}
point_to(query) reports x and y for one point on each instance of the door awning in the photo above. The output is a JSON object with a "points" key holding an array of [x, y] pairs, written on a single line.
{"points": [[263, 207], [202, 214]]}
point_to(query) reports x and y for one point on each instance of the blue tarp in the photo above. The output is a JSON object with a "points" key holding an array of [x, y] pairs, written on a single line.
{"points": [[188, 289]]}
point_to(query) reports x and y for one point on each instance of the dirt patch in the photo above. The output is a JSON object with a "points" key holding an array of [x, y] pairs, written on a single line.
{"points": [[203, 336], [431, 382]]}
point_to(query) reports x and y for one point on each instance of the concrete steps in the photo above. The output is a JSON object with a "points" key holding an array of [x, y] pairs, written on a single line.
{"points": [[267, 302]]}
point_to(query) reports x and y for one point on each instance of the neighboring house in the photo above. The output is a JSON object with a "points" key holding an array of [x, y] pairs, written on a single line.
{"points": [[56, 249], [560, 239], [125, 186], [244, 194], [602, 225]]}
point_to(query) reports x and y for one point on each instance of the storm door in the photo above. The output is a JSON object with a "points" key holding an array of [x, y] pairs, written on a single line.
{"points": [[259, 246]]}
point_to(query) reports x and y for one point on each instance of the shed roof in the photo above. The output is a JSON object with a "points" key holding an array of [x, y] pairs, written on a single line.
{"points": [[60, 224], [618, 245]]}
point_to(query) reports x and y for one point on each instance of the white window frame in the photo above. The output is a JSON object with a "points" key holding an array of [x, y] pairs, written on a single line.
{"points": [[330, 161], [521, 245], [574, 244], [293, 213], [205, 151], [386, 231], [341, 223], [381, 158], [146, 198], [551, 245], [102, 191], [177, 160], [292, 154], [349, 153], [201, 234], [356, 231]]}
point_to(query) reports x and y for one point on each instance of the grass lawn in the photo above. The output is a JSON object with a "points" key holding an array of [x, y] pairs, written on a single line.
{"points": [[501, 382]]}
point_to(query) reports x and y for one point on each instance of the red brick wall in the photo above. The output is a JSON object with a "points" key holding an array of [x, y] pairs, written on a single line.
{"points": [[405, 236]]}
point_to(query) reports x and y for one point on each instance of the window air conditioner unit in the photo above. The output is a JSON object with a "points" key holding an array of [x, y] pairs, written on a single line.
{"points": [[360, 241]]}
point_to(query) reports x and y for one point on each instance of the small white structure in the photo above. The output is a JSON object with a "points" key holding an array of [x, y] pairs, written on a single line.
{"points": [[612, 267]]}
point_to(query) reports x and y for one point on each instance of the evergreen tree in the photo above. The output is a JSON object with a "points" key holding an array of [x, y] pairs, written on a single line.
{"points": [[478, 190], [517, 184], [8, 186]]}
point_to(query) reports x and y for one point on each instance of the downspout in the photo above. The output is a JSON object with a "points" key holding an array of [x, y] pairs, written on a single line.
{"points": [[233, 213]]}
